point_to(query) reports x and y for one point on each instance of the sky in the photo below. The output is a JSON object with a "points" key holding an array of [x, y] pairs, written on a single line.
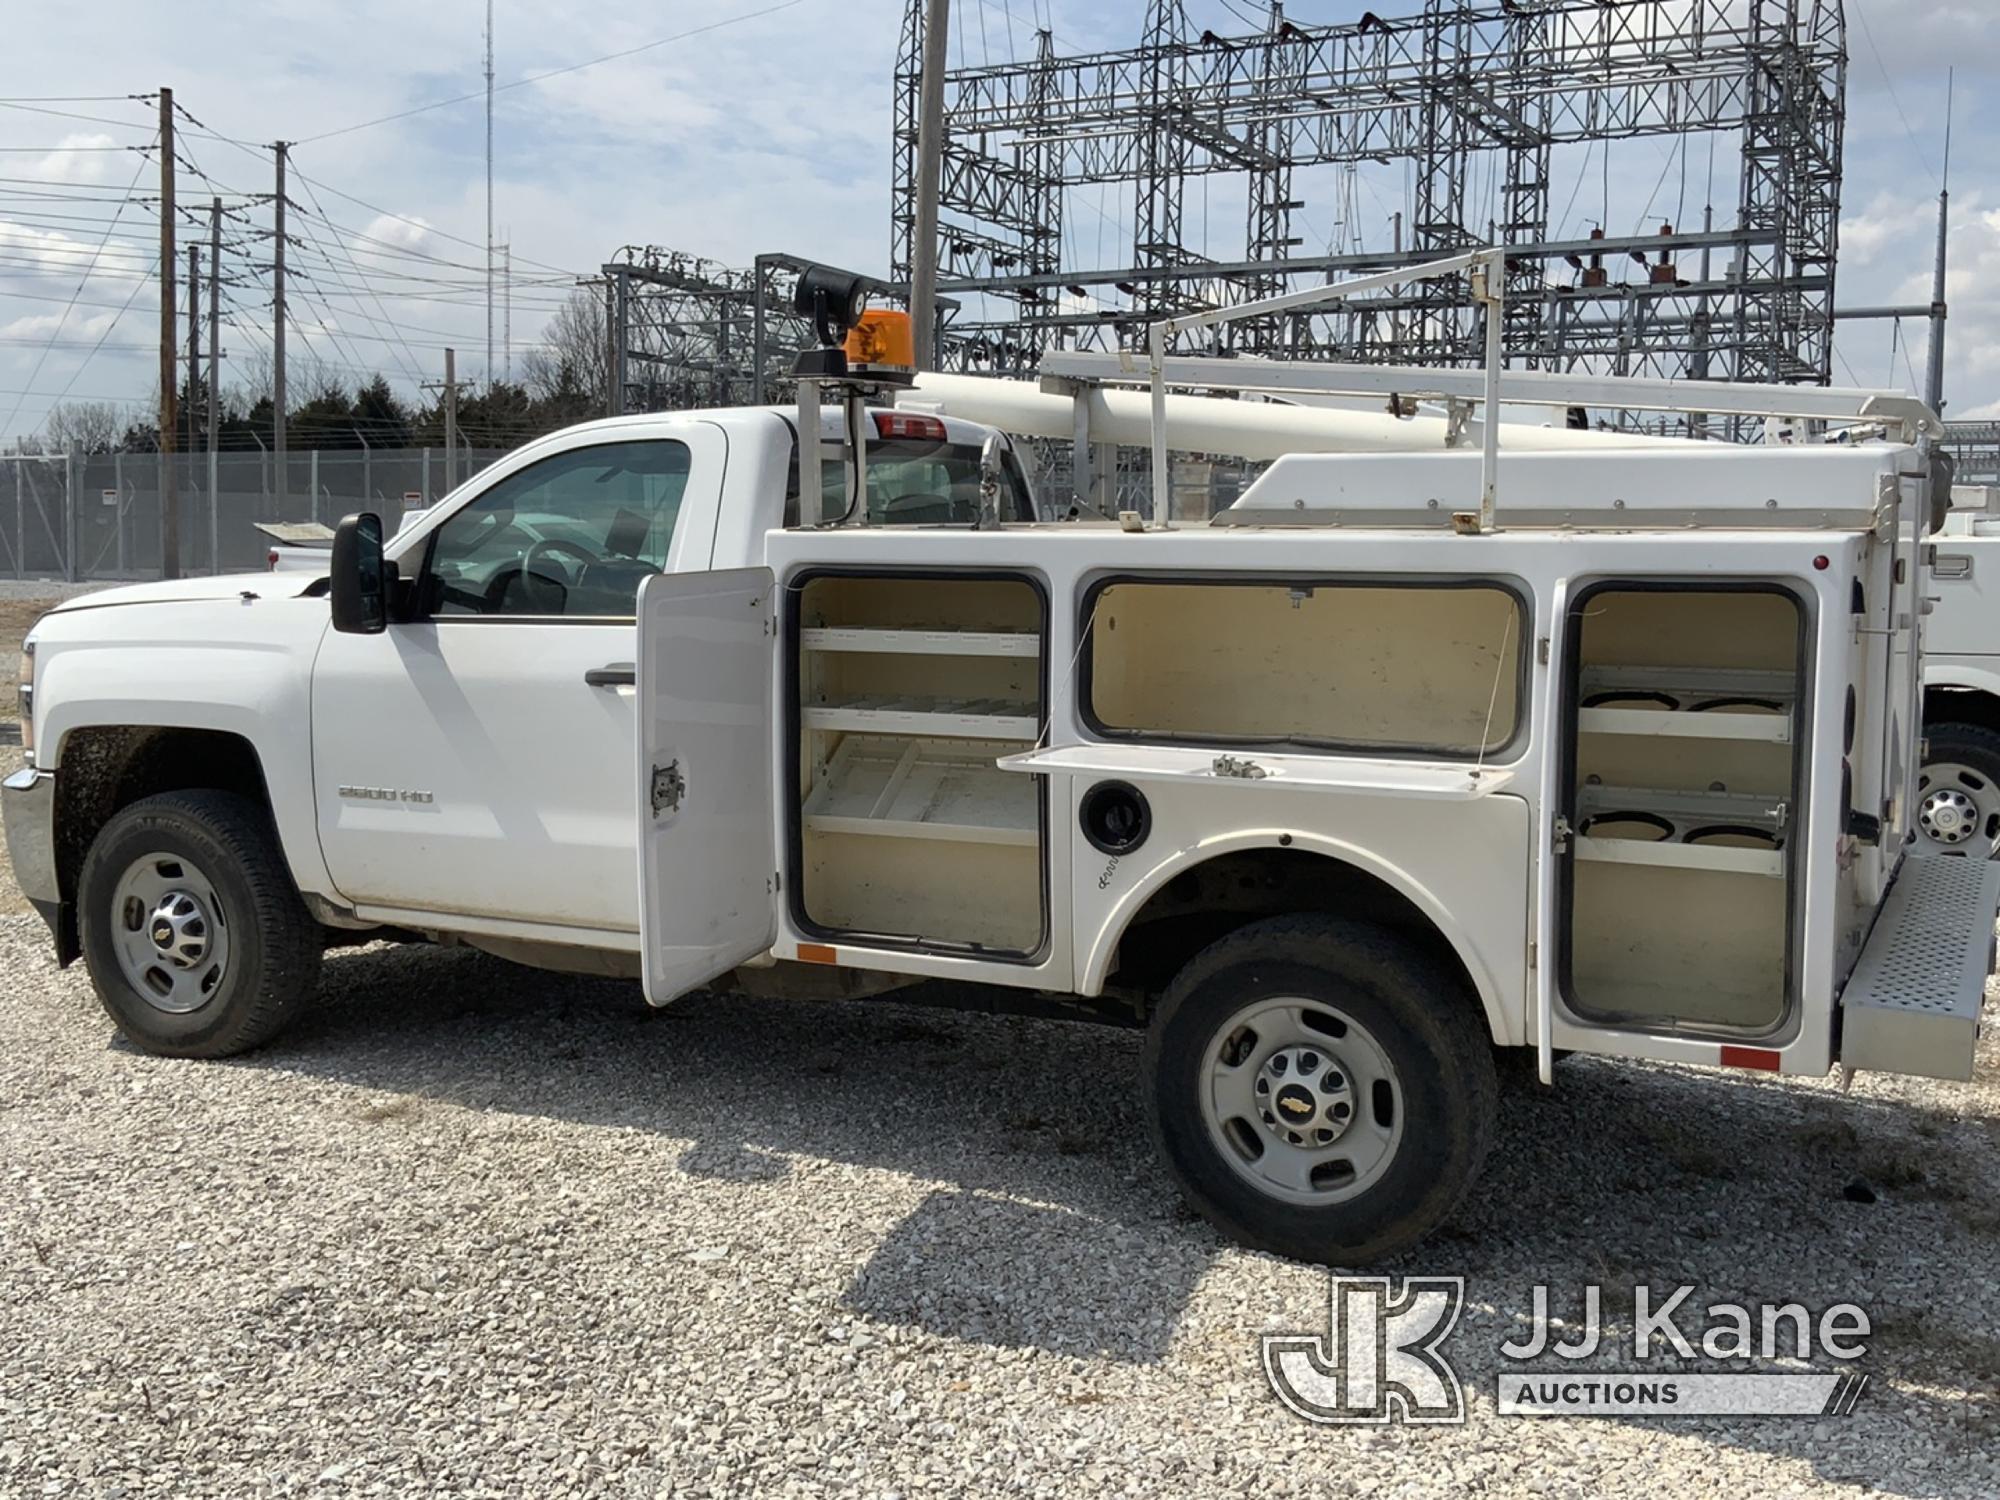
{"points": [[767, 130]]}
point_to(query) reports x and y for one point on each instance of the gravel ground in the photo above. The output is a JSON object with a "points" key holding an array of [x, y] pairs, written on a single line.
{"points": [[474, 1230]]}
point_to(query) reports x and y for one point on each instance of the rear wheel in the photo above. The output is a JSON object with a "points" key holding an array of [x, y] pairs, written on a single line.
{"points": [[1958, 791], [194, 934], [1320, 1088]]}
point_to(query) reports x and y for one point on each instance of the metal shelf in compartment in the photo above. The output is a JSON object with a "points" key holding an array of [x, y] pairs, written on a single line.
{"points": [[1688, 813], [944, 718], [868, 639], [913, 788], [1702, 703]]}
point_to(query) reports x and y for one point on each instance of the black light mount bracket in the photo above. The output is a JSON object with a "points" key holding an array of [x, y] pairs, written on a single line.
{"points": [[832, 301]]}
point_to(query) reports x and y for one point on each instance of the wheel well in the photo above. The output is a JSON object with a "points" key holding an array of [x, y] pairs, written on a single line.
{"points": [[108, 767], [1215, 898], [1949, 705]]}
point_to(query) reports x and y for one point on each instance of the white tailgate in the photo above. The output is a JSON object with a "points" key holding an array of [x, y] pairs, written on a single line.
{"points": [[707, 898]]}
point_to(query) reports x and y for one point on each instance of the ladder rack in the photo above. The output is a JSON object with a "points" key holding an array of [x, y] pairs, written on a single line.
{"points": [[1074, 373]]}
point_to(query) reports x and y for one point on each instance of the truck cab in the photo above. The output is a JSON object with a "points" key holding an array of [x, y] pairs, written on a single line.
{"points": [[400, 769]]}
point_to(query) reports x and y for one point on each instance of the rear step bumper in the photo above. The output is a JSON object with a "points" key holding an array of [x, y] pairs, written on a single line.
{"points": [[1912, 1003]]}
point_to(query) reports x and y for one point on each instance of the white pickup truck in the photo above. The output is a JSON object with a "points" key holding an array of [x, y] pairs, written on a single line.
{"points": [[1958, 810], [1402, 759], [470, 774]]}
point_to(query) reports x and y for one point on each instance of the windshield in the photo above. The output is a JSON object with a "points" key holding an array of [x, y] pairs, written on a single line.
{"points": [[915, 482]]}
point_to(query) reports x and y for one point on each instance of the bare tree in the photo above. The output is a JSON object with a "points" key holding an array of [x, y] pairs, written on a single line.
{"points": [[569, 366], [96, 425]]}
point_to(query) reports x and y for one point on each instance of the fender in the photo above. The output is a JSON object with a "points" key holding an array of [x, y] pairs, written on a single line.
{"points": [[241, 666], [1096, 964], [1979, 674]]}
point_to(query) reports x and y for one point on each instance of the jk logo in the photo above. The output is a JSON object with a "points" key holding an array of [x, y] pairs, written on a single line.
{"points": [[1378, 1360]]}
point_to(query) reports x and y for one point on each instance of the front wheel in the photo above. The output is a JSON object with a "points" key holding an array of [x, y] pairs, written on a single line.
{"points": [[1320, 1088], [1958, 791], [194, 934]]}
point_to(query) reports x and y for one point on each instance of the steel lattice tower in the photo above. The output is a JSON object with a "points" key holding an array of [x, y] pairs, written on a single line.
{"points": [[1461, 91]]}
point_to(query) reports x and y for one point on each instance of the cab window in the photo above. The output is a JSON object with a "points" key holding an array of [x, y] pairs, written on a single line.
{"points": [[570, 536], [921, 482]]}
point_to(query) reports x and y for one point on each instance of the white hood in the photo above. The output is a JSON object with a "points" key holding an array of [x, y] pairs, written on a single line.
{"points": [[184, 590]]}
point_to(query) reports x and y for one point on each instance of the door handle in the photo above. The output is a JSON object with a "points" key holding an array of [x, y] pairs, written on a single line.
{"points": [[616, 674]]}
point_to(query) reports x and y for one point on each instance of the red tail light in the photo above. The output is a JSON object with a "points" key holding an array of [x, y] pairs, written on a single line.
{"points": [[909, 424]]}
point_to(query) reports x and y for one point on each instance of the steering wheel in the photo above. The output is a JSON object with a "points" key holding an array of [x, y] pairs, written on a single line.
{"points": [[536, 578], [548, 544]]}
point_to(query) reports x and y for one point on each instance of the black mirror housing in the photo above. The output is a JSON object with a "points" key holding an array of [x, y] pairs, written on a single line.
{"points": [[358, 581]]}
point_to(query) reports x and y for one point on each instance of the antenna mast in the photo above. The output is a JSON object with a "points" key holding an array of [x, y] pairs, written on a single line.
{"points": [[489, 192]]}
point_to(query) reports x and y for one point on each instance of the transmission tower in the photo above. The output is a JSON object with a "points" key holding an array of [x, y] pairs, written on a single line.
{"points": [[1478, 100]]}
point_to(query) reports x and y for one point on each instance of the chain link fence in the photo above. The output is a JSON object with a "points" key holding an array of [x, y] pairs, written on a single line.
{"points": [[81, 516]]}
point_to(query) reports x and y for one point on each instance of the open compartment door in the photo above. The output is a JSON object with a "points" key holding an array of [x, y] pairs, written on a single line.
{"points": [[707, 861]]}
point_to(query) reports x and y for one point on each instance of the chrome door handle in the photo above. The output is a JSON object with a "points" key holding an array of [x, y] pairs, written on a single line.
{"points": [[615, 674]]}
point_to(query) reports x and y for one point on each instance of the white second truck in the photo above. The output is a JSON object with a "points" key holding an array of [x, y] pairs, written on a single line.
{"points": [[1403, 760], [1958, 808]]}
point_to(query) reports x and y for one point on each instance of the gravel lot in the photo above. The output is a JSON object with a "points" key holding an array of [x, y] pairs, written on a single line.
{"points": [[475, 1230]]}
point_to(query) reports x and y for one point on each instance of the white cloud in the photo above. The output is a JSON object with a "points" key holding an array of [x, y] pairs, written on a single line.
{"points": [[407, 232], [78, 324], [83, 157]]}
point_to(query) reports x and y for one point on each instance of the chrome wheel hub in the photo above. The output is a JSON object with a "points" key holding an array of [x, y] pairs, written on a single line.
{"points": [[1301, 1101], [1305, 1097], [1958, 810], [179, 928], [168, 933]]}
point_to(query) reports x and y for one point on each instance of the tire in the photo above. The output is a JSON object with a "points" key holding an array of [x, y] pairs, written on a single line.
{"points": [[202, 870], [1397, 1000], [1958, 791]]}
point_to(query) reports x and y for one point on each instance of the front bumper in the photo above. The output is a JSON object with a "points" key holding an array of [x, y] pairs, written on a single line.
{"points": [[28, 807]]}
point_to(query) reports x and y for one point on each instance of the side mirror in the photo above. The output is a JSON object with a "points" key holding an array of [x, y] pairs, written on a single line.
{"points": [[992, 480], [358, 583]]}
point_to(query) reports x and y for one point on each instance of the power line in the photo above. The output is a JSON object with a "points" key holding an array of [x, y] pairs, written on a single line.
{"points": [[84, 363], [553, 72], [386, 321], [62, 320], [1861, 15], [420, 224], [70, 114]]}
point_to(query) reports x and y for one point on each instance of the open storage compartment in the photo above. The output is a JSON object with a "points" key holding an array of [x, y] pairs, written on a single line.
{"points": [[908, 689], [1683, 797]]}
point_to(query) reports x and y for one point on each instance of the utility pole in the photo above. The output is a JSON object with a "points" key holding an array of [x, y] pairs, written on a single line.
{"points": [[278, 330], [194, 345], [214, 391], [615, 369], [489, 192], [930, 156], [507, 313], [170, 511], [450, 419]]}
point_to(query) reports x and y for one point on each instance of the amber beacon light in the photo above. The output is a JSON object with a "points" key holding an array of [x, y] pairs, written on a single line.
{"points": [[881, 347]]}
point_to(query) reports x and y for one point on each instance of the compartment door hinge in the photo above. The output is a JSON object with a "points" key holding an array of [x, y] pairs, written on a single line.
{"points": [[668, 787], [1560, 835]]}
